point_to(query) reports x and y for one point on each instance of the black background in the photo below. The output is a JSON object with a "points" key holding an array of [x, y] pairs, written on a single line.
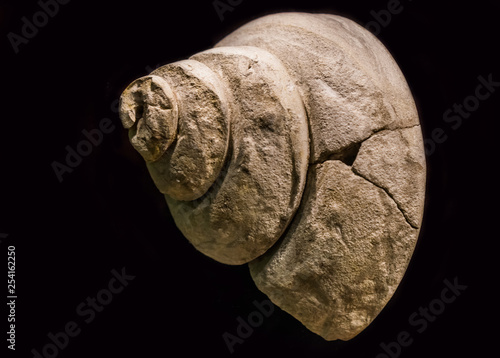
{"points": [[107, 213]]}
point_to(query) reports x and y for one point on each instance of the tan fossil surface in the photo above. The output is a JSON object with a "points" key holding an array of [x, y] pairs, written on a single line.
{"points": [[293, 145]]}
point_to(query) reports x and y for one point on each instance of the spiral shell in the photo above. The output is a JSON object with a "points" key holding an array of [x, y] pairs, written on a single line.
{"points": [[293, 145]]}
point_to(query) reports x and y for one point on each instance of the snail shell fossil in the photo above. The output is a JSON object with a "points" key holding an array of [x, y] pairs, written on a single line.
{"points": [[293, 145]]}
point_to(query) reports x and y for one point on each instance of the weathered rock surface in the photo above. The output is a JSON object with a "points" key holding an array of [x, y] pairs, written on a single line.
{"points": [[342, 257], [395, 161], [192, 164], [148, 109], [350, 84], [254, 199]]}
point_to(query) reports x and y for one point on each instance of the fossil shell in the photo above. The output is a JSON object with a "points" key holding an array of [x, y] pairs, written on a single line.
{"points": [[298, 150]]}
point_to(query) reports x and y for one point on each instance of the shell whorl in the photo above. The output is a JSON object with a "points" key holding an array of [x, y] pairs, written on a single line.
{"points": [[148, 109], [259, 189], [239, 101], [186, 163]]}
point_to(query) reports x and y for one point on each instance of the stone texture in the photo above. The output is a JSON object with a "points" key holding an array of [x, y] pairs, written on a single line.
{"points": [[342, 257], [190, 166], [293, 145], [350, 84], [395, 161], [149, 110], [258, 192]]}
